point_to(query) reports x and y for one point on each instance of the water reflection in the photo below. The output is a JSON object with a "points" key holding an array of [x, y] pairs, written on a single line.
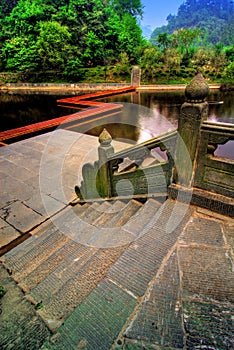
{"points": [[136, 123], [221, 107], [18, 110]]}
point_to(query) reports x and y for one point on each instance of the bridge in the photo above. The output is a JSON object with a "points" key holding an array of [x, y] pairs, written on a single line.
{"points": [[140, 258]]}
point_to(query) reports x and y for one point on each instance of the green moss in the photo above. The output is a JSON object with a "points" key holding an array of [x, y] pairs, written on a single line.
{"points": [[2, 291]]}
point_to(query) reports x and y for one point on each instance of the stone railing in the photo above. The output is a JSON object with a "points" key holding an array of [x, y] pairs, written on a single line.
{"points": [[137, 170], [215, 173], [191, 167]]}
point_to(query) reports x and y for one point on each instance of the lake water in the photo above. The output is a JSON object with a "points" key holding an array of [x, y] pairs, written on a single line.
{"points": [[144, 115]]}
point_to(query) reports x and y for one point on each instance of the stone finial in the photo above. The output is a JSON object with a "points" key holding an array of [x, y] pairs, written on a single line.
{"points": [[105, 138], [197, 90]]}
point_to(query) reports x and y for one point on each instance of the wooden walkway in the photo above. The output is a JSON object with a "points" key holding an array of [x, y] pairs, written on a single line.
{"points": [[95, 108]]}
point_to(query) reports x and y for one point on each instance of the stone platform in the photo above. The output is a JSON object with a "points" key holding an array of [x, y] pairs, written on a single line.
{"points": [[38, 176], [106, 275]]}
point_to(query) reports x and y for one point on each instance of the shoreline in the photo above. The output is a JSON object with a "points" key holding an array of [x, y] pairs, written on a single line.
{"points": [[50, 87]]}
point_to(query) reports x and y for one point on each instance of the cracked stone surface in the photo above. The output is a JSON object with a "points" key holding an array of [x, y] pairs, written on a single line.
{"points": [[190, 304], [166, 290], [7, 233], [38, 176], [20, 216]]}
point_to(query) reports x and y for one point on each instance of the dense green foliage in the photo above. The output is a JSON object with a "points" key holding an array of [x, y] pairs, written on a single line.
{"points": [[67, 34], [215, 18], [100, 40], [183, 53], [199, 37]]}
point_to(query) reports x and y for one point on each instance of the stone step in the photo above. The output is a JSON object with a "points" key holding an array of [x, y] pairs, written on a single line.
{"points": [[104, 230], [36, 255], [107, 230], [161, 303], [94, 211], [67, 269], [20, 326], [139, 263], [124, 214], [110, 213], [143, 217], [62, 257], [39, 234], [49, 238], [60, 294], [97, 321], [90, 322], [63, 263]]}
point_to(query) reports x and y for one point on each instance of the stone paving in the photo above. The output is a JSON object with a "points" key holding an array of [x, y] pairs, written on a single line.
{"points": [[168, 284], [38, 176]]}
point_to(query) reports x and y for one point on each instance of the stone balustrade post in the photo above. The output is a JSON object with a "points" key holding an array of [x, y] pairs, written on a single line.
{"points": [[104, 177], [193, 112], [136, 76]]}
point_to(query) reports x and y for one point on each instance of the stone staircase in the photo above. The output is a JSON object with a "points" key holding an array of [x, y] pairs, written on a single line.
{"points": [[90, 264]]}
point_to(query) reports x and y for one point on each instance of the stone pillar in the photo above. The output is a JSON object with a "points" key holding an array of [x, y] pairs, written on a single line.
{"points": [[136, 76], [104, 177], [136, 97], [193, 112]]}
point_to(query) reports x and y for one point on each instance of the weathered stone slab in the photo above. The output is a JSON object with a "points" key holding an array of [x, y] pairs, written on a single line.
{"points": [[49, 185], [123, 216], [60, 305], [24, 192], [69, 180], [142, 259], [20, 216], [37, 254], [208, 325], [159, 318], [59, 263], [10, 185], [7, 233], [68, 261], [20, 327], [15, 170], [6, 198], [33, 143], [95, 323], [44, 205], [229, 235], [109, 213], [142, 217], [39, 234], [207, 272], [204, 231]]}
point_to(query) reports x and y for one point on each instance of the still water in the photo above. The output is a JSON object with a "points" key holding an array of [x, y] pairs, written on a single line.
{"points": [[144, 115]]}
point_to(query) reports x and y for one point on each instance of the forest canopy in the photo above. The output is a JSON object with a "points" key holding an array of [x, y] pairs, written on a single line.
{"points": [[101, 40], [67, 34], [215, 19]]}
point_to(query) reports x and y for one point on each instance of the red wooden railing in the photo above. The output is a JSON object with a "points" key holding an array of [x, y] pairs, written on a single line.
{"points": [[98, 108]]}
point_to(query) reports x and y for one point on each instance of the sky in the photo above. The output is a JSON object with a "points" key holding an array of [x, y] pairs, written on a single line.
{"points": [[156, 11]]}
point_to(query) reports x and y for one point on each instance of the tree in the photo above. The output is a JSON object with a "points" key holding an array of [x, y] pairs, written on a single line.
{"points": [[20, 54], [6, 7], [214, 17], [130, 36], [218, 59], [53, 45], [67, 34], [93, 53], [164, 40], [184, 38], [201, 58], [172, 59], [134, 7]]}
